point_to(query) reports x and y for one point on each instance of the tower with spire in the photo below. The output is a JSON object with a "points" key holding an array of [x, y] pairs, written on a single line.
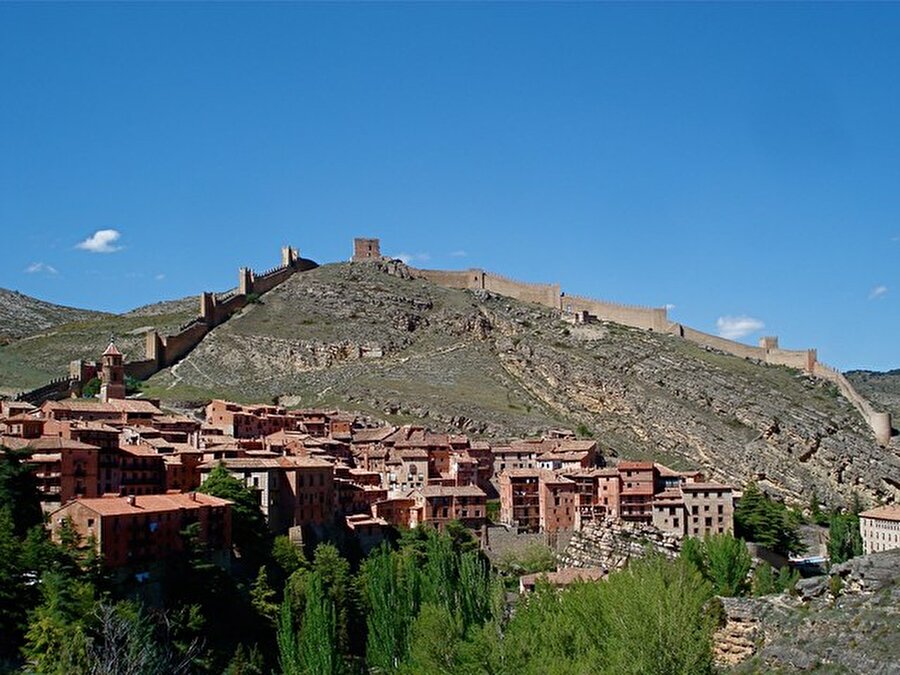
{"points": [[112, 376]]}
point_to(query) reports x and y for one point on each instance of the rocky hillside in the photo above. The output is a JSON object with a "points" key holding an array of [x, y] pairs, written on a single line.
{"points": [[370, 338], [45, 353], [846, 622], [22, 315], [880, 388]]}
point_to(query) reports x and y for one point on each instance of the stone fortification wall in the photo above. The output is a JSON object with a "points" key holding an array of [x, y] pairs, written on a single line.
{"points": [[541, 294], [656, 319], [879, 421], [471, 279], [163, 351], [802, 359], [223, 309], [216, 309], [475, 279], [649, 318], [61, 387], [176, 346], [141, 370], [716, 342]]}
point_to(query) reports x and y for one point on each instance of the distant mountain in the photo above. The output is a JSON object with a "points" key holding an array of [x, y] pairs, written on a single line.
{"points": [[38, 340], [22, 316]]}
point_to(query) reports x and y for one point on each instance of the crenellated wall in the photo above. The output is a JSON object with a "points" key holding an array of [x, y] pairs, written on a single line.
{"points": [[879, 421], [541, 294], [656, 319], [650, 318], [163, 351]]}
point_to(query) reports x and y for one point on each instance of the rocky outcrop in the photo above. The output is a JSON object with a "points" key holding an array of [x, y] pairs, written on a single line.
{"points": [[611, 543], [846, 621]]}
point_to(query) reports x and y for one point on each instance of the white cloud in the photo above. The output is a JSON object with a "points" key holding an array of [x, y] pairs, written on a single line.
{"points": [[160, 277], [878, 292], [102, 241], [408, 258], [458, 254], [735, 327], [37, 267]]}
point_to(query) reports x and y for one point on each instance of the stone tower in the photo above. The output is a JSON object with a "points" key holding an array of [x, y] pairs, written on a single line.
{"points": [[112, 374], [366, 249]]}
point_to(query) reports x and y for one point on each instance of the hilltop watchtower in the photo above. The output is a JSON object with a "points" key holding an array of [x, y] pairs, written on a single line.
{"points": [[112, 374], [366, 249]]}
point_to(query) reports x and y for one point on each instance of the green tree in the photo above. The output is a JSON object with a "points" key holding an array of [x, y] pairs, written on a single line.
{"points": [[333, 572], [763, 580], [316, 642], [248, 524], [845, 539], [287, 556], [435, 642], [56, 642], [389, 595], [727, 564], [762, 520], [262, 597], [18, 491], [656, 620], [91, 388]]}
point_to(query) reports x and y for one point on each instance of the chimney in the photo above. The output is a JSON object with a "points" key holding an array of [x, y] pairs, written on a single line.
{"points": [[193, 496], [132, 500]]}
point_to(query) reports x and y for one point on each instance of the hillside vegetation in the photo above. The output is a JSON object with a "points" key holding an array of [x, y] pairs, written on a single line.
{"points": [[44, 355], [22, 315], [490, 365]]}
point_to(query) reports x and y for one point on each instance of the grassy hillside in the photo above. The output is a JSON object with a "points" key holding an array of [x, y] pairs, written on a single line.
{"points": [[22, 315], [490, 365], [32, 361]]}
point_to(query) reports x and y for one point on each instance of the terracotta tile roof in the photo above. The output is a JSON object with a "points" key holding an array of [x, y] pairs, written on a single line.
{"points": [[632, 466], [565, 576], [120, 506], [451, 491], [889, 512], [112, 350], [51, 443], [372, 435], [118, 406], [669, 496], [139, 450], [567, 445]]}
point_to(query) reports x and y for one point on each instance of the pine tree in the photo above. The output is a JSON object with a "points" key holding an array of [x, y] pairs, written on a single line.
{"points": [[316, 642]]}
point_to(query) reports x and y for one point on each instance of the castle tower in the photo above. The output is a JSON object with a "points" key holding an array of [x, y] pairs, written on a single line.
{"points": [[112, 374], [366, 249], [289, 256]]}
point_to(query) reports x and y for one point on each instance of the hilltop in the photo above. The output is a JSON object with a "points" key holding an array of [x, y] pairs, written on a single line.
{"points": [[371, 337]]}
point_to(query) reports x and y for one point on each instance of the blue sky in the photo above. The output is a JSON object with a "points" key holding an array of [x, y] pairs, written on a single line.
{"points": [[733, 160]]}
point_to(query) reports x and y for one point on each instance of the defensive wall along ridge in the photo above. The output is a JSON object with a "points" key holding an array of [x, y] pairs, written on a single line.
{"points": [[656, 319], [162, 351]]}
